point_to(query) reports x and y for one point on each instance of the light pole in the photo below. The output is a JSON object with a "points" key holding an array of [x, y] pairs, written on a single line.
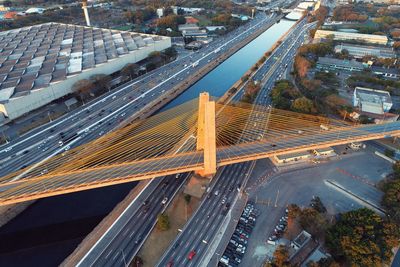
{"points": [[48, 114]]}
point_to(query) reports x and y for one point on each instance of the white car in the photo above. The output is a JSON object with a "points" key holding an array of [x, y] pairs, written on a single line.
{"points": [[164, 201]]}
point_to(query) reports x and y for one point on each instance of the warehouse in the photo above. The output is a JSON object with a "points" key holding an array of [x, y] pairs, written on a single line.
{"points": [[360, 51], [41, 63], [350, 36]]}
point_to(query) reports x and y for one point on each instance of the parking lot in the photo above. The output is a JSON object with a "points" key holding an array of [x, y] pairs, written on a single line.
{"points": [[237, 245], [357, 172]]}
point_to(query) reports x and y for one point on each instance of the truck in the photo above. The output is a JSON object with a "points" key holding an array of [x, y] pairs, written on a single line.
{"points": [[66, 138]]}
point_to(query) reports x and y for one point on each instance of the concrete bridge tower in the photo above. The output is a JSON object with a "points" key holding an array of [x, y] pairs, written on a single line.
{"points": [[206, 141]]}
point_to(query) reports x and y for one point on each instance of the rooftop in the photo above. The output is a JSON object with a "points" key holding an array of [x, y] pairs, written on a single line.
{"points": [[339, 62], [366, 50], [372, 96], [33, 57], [351, 34], [293, 155]]}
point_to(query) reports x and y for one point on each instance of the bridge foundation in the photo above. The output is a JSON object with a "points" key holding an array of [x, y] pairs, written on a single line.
{"points": [[206, 140]]}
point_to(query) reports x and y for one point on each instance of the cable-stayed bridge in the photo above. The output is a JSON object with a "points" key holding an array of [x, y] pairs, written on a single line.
{"points": [[192, 137]]}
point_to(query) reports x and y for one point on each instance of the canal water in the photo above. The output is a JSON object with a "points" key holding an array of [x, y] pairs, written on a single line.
{"points": [[219, 80], [50, 229]]}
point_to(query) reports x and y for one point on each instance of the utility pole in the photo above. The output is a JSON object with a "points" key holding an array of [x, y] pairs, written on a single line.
{"points": [[85, 11]]}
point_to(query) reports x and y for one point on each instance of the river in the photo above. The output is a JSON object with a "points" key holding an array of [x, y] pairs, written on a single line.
{"points": [[50, 229]]}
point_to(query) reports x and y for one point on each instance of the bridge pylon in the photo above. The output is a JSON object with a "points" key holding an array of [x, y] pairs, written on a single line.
{"points": [[206, 140]]}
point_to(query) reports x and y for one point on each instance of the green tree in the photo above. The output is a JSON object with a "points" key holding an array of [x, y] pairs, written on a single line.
{"points": [[362, 238], [317, 204], [303, 105], [187, 198], [391, 198], [163, 223]]}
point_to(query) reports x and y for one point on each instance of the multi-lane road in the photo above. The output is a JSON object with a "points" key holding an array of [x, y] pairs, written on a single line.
{"points": [[204, 225], [105, 113]]}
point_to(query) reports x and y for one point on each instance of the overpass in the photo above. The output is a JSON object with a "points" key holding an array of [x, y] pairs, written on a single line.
{"points": [[213, 135]]}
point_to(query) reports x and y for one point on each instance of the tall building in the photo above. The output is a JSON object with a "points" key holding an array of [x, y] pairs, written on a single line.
{"points": [[41, 63]]}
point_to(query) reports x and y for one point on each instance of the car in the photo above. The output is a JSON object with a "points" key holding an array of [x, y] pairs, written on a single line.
{"points": [[216, 193], [191, 255], [145, 202], [273, 238], [164, 201], [170, 263], [223, 200], [137, 241]]}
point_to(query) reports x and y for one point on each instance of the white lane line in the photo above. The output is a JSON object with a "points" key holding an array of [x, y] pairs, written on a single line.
{"points": [[112, 225], [43, 160], [108, 254]]}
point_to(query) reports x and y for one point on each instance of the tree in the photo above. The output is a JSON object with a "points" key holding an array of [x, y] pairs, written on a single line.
{"points": [[170, 52], [391, 198], [362, 238], [301, 66], [396, 169], [83, 88], [187, 198], [137, 261], [313, 222], [281, 256], [163, 223], [303, 105], [101, 82], [317, 204], [130, 70]]}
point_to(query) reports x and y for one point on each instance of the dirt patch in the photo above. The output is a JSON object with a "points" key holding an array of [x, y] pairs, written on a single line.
{"points": [[178, 212]]}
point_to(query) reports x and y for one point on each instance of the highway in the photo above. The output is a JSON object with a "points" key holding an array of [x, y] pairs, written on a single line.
{"points": [[105, 113], [124, 239], [203, 226], [130, 171], [112, 246]]}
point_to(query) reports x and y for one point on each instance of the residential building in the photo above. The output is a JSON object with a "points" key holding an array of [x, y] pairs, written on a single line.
{"points": [[372, 101], [334, 64], [301, 248], [348, 36], [41, 63], [359, 51]]}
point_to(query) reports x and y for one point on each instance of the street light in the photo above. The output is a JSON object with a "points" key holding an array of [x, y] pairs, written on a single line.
{"points": [[48, 114]]}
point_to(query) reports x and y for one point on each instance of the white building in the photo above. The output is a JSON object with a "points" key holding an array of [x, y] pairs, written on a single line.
{"points": [[359, 51], [292, 157], [41, 63], [346, 36], [372, 101], [160, 12]]}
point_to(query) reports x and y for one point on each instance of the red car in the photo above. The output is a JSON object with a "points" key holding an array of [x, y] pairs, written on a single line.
{"points": [[191, 254], [170, 263]]}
